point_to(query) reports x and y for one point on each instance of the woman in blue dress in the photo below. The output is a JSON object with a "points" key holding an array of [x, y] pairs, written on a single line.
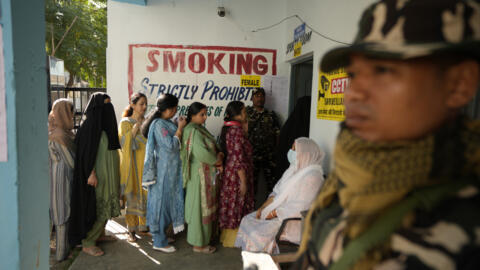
{"points": [[162, 173]]}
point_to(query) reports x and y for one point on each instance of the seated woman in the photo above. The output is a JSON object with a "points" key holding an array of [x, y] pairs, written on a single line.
{"points": [[293, 194]]}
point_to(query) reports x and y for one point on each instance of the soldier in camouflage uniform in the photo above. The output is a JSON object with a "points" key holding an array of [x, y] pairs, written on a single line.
{"points": [[405, 190], [263, 131]]}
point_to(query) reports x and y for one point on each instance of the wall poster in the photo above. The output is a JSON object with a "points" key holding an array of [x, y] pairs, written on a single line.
{"points": [[331, 87], [213, 75]]}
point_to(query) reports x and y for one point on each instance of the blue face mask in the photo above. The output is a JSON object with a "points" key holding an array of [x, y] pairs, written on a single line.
{"points": [[292, 156]]}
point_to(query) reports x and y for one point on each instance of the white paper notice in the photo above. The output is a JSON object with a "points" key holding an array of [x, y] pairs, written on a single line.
{"points": [[260, 261], [276, 94], [3, 111]]}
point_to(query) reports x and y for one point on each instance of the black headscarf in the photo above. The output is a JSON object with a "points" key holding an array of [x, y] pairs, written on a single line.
{"points": [[296, 126], [100, 116]]}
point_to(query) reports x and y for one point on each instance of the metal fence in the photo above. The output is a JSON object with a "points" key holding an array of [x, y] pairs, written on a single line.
{"points": [[79, 97]]}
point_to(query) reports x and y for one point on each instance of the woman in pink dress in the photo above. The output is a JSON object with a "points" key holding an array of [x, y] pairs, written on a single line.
{"points": [[236, 193]]}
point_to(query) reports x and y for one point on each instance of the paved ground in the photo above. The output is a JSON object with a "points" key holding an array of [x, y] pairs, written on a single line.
{"points": [[140, 255], [124, 255]]}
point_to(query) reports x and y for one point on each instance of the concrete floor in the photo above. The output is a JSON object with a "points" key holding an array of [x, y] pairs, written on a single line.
{"points": [[140, 255]]}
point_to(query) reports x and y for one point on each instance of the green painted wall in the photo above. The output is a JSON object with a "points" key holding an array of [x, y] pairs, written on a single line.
{"points": [[24, 195]]}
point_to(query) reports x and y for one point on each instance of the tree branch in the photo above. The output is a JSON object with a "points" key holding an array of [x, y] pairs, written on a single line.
{"points": [[65, 34], [53, 41]]}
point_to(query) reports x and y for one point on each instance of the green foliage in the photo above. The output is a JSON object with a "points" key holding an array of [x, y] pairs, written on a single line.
{"points": [[84, 47]]}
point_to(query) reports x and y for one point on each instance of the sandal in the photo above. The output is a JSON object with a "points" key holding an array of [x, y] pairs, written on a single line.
{"points": [[144, 233], [166, 249], [131, 237], [205, 250], [106, 238], [93, 251]]}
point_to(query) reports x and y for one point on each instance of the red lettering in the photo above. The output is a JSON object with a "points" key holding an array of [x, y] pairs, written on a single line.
{"points": [[212, 62], [151, 57], [200, 64], [215, 61], [260, 68], [339, 85], [169, 61], [334, 86], [245, 64], [231, 69]]}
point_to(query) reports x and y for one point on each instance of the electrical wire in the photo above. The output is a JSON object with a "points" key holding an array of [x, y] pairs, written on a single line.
{"points": [[273, 25], [306, 24]]}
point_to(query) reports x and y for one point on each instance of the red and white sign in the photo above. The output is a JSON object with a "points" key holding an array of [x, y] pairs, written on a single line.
{"points": [[208, 74], [339, 85]]}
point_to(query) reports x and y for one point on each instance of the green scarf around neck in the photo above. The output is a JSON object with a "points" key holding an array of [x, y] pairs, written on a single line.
{"points": [[371, 177]]}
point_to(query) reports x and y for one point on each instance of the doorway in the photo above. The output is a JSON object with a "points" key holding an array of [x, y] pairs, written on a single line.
{"points": [[300, 81]]}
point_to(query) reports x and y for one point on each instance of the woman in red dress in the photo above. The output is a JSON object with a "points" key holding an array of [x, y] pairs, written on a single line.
{"points": [[236, 193]]}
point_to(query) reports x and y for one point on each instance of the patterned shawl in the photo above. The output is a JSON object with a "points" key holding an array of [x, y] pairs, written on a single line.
{"points": [[207, 173]]}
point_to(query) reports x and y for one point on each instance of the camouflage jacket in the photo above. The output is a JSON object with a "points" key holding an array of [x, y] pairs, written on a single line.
{"points": [[263, 131]]}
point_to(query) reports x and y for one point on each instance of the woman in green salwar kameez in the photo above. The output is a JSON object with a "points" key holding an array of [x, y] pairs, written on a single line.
{"points": [[106, 180], [201, 164], [95, 191]]}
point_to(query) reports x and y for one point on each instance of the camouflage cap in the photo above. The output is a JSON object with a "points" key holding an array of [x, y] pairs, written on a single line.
{"points": [[405, 29], [258, 90]]}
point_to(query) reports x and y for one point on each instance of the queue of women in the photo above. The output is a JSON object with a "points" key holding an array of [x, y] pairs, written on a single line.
{"points": [[167, 174]]}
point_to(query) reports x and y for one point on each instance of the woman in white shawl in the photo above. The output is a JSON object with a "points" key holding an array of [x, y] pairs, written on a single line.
{"points": [[293, 194]]}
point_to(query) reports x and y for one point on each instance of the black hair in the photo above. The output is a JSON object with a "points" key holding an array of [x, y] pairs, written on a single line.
{"points": [[164, 102], [234, 108], [194, 109], [133, 100]]}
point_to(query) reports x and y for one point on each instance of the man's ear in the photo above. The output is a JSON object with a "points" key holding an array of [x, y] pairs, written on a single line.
{"points": [[463, 80]]}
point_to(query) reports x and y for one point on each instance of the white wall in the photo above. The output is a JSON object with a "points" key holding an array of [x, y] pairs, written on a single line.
{"points": [[194, 22], [337, 19], [188, 22]]}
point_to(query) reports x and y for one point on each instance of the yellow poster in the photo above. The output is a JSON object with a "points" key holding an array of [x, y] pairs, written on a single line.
{"points": [[331, 87], [250, 80], [297, 49]]}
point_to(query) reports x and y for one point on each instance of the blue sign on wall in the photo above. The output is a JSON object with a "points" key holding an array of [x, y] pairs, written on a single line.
{"points": [[298, 32]]}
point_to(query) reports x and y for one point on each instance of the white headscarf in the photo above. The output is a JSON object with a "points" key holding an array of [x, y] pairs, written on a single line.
{"points": [[308, 161], [308, 153]]}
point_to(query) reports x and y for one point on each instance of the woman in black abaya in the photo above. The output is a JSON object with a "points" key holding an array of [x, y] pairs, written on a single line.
{"points": [[95, 194]]}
